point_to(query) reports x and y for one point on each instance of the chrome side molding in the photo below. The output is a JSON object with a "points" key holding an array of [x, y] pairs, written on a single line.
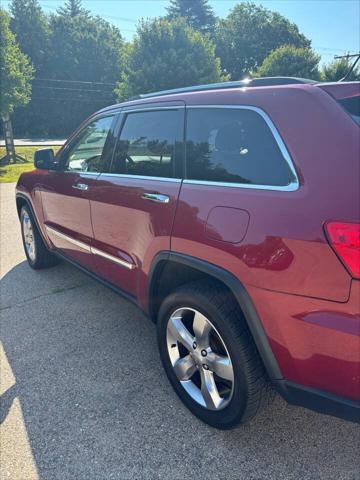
{"points": [[82, 245], [112, 258], [89, 249]]}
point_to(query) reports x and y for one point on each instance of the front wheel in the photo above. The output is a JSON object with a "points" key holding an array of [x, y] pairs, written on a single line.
{"points": [[36, 252], [209, 355]]}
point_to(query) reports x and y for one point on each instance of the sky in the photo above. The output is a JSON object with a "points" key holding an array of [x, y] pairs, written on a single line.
{"points": [[333, 26]]}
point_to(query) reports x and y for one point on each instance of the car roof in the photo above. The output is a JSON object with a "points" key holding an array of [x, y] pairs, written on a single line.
{"points": [[214, 89]]}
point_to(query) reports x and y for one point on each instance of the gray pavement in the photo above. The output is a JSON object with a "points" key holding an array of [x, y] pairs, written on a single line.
{"points": [[84, 395]]}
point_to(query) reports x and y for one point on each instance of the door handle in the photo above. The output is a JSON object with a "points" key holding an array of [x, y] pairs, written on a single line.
{"points": [[156, 197], [81, 186]]}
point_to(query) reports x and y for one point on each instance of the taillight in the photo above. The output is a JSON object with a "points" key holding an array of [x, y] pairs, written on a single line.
{"points": [[345, 240]]}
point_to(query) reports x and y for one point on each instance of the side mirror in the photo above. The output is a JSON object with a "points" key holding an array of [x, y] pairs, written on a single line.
{"points": [[44, 159]]}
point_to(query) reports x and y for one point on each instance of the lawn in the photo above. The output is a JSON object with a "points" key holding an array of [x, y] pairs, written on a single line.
{"points": [[11, 173]]}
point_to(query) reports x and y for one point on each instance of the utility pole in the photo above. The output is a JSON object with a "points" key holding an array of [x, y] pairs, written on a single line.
{"points": [[348, 56]]}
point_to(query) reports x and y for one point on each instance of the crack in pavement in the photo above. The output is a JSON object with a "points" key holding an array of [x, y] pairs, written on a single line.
{"points": [[52, 292]]}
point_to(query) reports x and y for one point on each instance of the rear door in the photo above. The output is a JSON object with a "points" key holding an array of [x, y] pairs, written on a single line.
{"points": [[133, 205], [66, 191]]}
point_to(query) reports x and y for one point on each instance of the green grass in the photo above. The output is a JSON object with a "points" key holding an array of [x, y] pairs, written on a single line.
{"points": [[11, 173]]}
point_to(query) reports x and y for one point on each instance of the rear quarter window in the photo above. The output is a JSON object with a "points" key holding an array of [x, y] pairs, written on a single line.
{"points": [[234, 145], [352, 106]]}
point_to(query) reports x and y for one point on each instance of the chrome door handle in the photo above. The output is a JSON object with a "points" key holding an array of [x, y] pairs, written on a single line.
{"points": [[81, 186], [156, 197]]}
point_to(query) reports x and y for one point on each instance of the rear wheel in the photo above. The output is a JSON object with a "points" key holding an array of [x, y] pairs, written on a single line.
{"points": [[36, 252], [209, 355]]}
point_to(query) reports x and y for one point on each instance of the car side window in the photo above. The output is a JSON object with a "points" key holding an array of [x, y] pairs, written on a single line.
{"points": [[233, 146], [85, 154], [148, 143]]}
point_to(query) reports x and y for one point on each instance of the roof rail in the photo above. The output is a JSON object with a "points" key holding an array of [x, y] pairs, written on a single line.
{"points": [[254, 82]]}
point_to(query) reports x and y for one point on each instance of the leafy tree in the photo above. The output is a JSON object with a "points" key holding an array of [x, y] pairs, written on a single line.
{"points": [[30, 25], [198, 14], [168, 54], [249, 33], [15, 73], [72, 8], [85, 48], [337, 69], [290, 61]]}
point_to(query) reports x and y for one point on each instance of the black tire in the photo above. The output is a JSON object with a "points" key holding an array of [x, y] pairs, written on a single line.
{"points": [[251, 388], [42, 258]]}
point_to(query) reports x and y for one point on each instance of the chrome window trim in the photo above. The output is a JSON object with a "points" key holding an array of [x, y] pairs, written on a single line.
{"points": [[142, 177], [83, 246], [112, 258], [291, 187], [89, 249]]}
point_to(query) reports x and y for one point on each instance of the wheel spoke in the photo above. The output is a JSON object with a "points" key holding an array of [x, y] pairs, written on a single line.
{"points": [[26, 228], [207, 355], [202, 329], [209, 390], [185, 368], [181, 333], [221, 365], [28, 237]]}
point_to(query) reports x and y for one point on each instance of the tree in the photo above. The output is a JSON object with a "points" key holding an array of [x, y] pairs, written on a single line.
{"points": [[15, 76], [85, 48], [72, 8], [82, 49], [249, 33], [30, 25], [198, 14], [337, 69], [168, 54], [290, 61]]}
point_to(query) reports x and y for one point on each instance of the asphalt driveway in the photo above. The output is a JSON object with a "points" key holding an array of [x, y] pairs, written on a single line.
{"points": [[83, 394]]}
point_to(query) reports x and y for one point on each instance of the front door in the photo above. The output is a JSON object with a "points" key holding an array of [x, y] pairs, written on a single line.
{"points": [[134, 204], [66, 191]]}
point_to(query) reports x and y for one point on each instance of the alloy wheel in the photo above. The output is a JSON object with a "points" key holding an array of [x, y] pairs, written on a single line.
{"points": [[200, 359], [29, 238]]}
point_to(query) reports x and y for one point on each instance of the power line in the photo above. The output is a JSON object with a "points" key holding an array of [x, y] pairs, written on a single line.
{"points": [[57, 99], [74, 81], [83, 90], [347, 56], [330, 49]]}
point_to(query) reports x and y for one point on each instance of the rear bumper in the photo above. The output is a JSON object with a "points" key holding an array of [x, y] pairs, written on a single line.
{"points": [[316, 342]]}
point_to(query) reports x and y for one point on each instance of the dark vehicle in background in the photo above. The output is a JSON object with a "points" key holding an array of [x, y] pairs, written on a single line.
{"points": [[230, 214]]}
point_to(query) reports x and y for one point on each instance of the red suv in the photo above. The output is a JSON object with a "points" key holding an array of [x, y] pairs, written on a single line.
{"points": [[230, 214]]}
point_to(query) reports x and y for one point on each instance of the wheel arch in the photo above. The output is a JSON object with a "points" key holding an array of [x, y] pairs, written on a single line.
{"points": [[166, 264], [21, 201]]}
